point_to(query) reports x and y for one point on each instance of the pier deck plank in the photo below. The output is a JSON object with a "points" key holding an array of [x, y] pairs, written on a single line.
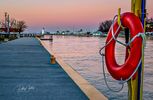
{"points": [[26, 74]]}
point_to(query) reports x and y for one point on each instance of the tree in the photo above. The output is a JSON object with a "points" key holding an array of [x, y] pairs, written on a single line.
{"points": [[104, 26], [67, 31], [21, 26], [13, 23], [81, 30], [2, 24], [58, 32]]}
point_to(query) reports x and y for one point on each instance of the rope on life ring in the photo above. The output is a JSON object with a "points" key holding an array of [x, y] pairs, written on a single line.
{"points": [[126, 71]]}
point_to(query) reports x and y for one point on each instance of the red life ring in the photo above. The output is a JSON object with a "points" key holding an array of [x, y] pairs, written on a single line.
{"points": [[125, 70]]}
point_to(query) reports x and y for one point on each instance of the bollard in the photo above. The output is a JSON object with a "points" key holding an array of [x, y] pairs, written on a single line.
{"points": [[52, 59]]}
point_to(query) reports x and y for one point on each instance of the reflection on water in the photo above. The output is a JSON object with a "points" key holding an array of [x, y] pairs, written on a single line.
{"points": [[82, 54]]}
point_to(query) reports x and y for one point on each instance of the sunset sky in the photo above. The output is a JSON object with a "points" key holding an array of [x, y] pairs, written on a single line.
{"points": [[65, 14]]}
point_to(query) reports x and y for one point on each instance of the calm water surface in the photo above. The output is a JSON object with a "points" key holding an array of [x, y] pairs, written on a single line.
{"points": [[82, 54]]}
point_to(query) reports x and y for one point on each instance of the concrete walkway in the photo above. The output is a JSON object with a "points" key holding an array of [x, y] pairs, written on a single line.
{"points": [[26, 74]]}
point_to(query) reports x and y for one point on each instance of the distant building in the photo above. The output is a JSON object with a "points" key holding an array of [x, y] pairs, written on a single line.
{"points": [[97, 33], [149, 26]]}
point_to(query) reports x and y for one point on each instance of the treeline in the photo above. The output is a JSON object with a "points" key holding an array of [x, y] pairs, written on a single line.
{"points": [[149, 26], [105, 25], [12, 25]]}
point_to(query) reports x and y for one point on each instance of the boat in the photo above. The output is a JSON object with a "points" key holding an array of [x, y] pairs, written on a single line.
{"points": [[46, 37]]}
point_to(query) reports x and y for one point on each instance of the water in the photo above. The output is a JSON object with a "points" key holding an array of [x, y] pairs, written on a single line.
{"points": [[82, 53]]}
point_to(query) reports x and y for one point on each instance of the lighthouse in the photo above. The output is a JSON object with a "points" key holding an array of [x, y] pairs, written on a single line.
{"points": [[43, 31]]}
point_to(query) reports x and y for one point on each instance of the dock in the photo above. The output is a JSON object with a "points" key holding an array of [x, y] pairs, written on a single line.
{"points": [[26, 74]]}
